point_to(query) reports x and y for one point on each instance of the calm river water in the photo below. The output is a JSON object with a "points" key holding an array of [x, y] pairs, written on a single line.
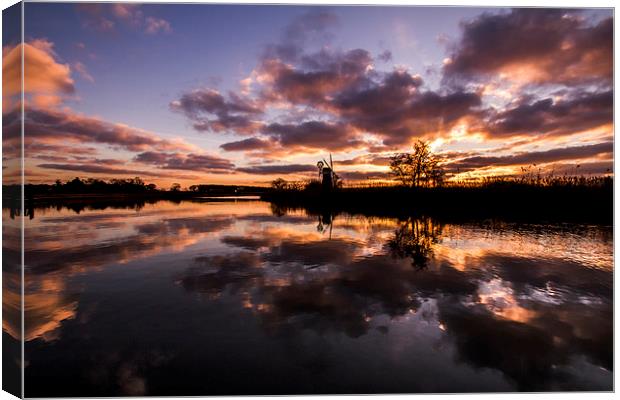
{"points": [[236, 297]]}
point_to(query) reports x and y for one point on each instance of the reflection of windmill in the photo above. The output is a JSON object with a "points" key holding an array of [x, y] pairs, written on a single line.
{"points": [[328, 177], [326, 219]]}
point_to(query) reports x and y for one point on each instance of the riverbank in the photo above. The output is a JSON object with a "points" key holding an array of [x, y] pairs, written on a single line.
{"points": [[581, 203], [78, 202], [518, 202]]}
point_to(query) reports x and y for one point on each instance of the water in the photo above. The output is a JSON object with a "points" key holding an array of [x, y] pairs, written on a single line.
{"points": [[234, 297]]}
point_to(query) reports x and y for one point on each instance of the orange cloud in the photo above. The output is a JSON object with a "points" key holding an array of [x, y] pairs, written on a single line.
{"points": [[43, 74]]}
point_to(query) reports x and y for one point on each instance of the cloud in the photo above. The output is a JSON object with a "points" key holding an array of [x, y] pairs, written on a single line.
{"points": [[370, 159], [340, 85], [64, 137], [278, 169], [129, 13], [314, 135], [192, 162], [324, 100], [104, 18], [253, 143], [535, 45], [81, 69], [211, 111], [536, 157], [318, 77], [93, 17], [156, 25], [385, 56], [583, 168], [363, 175], [73, 142], [47, 80], [583, 111], [312, 26], [53, 126], [397, 111], [97, 169]]}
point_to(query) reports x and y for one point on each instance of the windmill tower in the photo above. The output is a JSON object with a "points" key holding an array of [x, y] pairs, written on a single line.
{"points": [[328, 177]]}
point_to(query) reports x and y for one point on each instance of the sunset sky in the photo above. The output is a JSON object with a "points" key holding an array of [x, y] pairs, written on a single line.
{"points": [[244, 94]]}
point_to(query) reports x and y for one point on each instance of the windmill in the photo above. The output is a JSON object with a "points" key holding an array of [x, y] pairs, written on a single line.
{"points": [[327, 175]]}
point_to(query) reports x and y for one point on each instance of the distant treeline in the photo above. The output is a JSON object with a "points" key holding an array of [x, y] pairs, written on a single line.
{"points": [[125, 187]]}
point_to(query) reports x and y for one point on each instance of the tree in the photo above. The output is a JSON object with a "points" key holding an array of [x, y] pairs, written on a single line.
{"points": [[175, 187], [279, 184], [420, 168], [137, 181]]}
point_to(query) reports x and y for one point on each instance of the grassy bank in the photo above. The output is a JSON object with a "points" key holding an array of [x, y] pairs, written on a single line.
{"points": [[566, 200]]}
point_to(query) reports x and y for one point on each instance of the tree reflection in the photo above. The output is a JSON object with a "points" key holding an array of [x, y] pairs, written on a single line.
{"points": [[415, 238], [278, 210]]}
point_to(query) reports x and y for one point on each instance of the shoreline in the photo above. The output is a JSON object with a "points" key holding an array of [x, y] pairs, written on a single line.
{"points": [[540, 204], [571, 204]]}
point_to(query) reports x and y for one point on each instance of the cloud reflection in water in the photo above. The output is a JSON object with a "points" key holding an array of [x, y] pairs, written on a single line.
{"points": [[483, 299]]}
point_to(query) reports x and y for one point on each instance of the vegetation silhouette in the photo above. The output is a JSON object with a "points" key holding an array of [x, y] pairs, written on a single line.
{"points": [[115, 186], [558, 199], [420, 168], [420, 186]]}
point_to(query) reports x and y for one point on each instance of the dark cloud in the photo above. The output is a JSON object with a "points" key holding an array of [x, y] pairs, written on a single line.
{"points": [[583, 168], [318, 77], [313, 26], [278, 169], [385, 56], [190, 161], [252, 143], [362, 175], [97, 169], [61, 127], [211, 111], [535, 157], [50, 132], [581, 111], [314, 134], [396, 110], [371, 159], [548, 45], [390, 105]]}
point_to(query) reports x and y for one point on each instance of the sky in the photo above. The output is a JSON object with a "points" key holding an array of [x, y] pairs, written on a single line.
{"points": [[243, 94]]}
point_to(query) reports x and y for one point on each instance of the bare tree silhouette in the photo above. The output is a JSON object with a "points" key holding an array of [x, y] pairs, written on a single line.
{"points": [[420, 168]]}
